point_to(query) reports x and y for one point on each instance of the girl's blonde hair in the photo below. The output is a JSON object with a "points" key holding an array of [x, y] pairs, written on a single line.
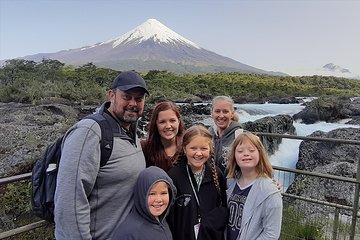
{"points": [[263, 168], [228, 100], [200, 131]]}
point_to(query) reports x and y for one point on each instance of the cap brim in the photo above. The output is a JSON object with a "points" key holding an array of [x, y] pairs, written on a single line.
{"points": [[129, 87]]}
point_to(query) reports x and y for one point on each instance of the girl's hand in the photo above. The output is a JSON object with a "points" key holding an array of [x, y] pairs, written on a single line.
{"points": [[278, 184]]}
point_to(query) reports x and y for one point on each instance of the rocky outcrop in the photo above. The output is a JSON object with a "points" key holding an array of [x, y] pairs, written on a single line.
{"points": [[327, 158], [315, 154], [194, 114], [26, 130], [330, 110], [280, 124], [283, 100]]}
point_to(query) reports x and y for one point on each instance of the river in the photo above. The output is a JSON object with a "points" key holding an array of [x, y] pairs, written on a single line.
{"points": [[287, 155]]}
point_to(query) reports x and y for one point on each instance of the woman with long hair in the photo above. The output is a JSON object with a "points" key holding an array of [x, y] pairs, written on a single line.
{"points": [[165, 132]]}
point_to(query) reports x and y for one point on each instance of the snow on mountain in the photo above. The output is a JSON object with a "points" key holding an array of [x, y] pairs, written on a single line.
{"points": [[151, 29], [155, 30], [151, 46]]}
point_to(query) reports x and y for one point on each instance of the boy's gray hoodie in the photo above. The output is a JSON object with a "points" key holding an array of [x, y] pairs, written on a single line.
{"points": [[140, 224]]}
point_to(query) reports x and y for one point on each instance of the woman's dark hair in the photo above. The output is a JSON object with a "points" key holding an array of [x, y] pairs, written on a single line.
{"points": [[153, 149]]}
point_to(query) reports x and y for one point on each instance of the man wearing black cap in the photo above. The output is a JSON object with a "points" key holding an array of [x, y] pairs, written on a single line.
{"points": [[92, 200]]}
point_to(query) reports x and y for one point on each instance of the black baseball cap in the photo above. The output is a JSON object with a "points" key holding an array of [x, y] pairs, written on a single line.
{"points": [[128, 80]]}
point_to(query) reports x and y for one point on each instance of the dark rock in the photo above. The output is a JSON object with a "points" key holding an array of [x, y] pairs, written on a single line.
{"points": [[314, 154], [194, 99], [25, 131], [200, 109], [281, 124], [284, 100], [329, 110], [355, 120], [327, 158]]}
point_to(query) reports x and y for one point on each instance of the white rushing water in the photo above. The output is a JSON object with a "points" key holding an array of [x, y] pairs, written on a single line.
{"points": [[287, 155]]}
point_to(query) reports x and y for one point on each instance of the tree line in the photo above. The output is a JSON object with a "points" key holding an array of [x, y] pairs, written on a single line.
{"points": [[30, 82]]}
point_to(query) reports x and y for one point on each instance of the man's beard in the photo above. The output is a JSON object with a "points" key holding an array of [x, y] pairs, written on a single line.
{"points": [[126, 118]]}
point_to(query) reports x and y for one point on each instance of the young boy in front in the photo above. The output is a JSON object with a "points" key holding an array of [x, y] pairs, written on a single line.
{"points": [[154, 193]]}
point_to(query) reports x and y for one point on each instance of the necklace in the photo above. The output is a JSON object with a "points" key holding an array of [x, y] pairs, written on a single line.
{"points": [[199, 177]]}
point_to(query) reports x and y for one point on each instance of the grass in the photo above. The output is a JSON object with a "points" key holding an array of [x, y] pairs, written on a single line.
{"points": [[294, 227]]}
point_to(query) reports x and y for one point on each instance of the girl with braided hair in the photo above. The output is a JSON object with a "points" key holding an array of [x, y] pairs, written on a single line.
{"points": [[200, 210]]}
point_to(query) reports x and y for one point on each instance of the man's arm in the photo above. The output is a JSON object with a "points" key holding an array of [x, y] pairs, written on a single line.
{"points": [[79, 166]]}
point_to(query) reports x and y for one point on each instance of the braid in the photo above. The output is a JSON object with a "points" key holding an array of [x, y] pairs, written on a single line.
{"points": [[215, 176]]}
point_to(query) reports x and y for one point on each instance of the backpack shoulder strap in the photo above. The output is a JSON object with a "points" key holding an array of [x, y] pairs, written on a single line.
{"points": [[107, 136]]}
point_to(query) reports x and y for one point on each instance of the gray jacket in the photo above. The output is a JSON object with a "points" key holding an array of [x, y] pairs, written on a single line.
{"points": [[222, 145], [91, 201], [262, 213], [140, 224]]}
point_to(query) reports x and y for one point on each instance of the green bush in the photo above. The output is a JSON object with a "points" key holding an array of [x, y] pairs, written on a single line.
{"points": [[16, 198], [27, 81], [15, 202]]}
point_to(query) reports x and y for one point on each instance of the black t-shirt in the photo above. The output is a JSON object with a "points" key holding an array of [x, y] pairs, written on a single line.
{"points": [[236, 205]]}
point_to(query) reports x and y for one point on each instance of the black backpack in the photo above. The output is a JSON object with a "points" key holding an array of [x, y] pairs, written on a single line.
{"points": [[43, 178]]}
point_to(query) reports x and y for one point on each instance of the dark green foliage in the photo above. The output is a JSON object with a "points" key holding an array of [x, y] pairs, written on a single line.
{"points": [[28, 81], [15, 199], [16, 211]]}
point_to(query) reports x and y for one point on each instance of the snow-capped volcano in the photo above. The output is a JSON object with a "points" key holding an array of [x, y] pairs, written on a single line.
{"points": [[150, 46], [154, 30]]}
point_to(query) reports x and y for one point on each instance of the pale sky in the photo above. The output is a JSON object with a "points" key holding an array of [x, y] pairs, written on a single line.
{"points": [[291, 36]]}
